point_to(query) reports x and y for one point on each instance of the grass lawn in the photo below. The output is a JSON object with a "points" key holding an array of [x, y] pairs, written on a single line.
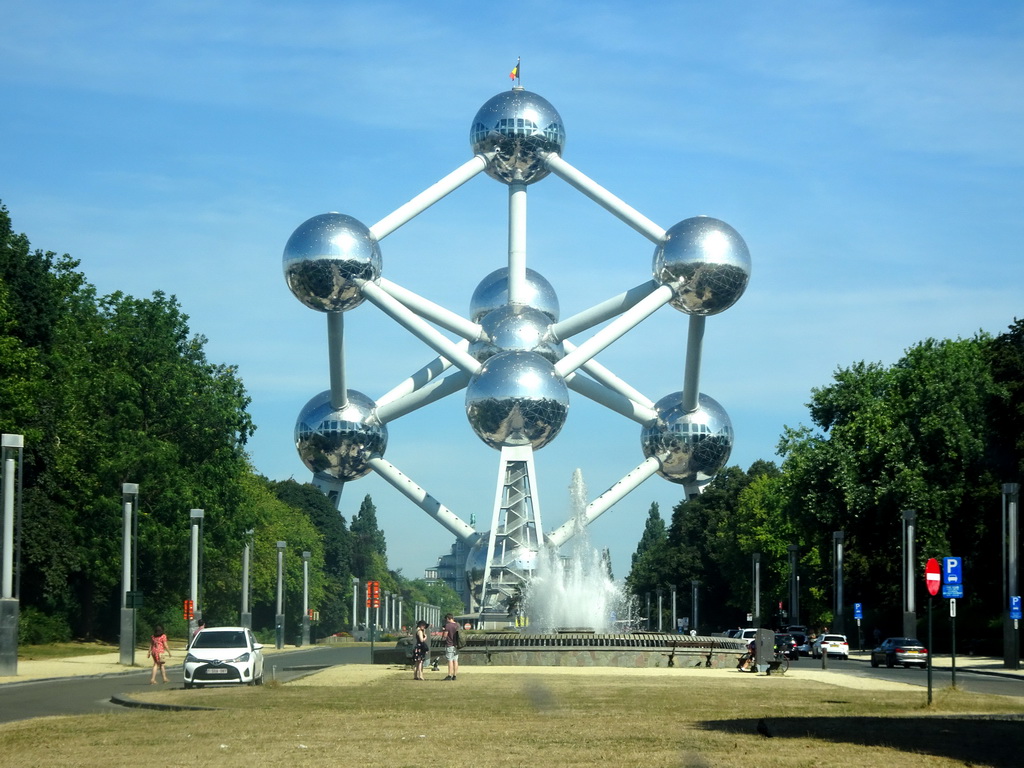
{"points": [[63, 650], [378, 716]]}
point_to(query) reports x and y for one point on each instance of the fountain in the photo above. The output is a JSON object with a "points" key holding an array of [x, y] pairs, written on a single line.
{"points": [[577, 592]]}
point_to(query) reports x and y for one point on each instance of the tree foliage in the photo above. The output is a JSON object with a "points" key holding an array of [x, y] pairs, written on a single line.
{"points": [[937, 432]]}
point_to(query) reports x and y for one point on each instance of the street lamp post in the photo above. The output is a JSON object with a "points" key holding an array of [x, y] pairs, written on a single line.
{"points": [[246, 614], [9, 569], [355, 605], [279, 615], [794, 584], [129, 585], [195, 521], [660, 612], [1011, 639], [694, 616], [305, 597], [675, 617], [839, 623], [757, 588], [909, 606]]}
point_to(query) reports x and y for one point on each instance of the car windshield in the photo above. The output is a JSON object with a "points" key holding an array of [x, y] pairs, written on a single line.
{"points": [[906, 641], [220, 639]]}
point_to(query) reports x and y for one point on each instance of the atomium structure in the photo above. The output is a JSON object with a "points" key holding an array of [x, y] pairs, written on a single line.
{"points": [[515, 360]]}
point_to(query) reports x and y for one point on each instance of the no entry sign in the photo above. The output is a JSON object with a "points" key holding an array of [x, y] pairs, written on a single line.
{"points": [[932, 576]]}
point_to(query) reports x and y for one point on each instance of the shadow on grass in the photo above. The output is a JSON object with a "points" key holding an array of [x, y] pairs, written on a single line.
{"points": [[992, 740]]}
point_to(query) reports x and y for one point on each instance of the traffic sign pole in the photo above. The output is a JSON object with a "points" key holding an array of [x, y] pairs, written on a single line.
{"points": [[932, 577], [952, 631]]}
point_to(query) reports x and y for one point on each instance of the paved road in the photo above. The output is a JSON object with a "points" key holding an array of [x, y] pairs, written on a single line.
{"points": [[973, 682], [88, 695]]}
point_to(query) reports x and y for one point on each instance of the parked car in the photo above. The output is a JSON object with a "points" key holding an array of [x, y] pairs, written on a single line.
{"points": [[803, 643], [833, 645], [223, 656], [900, 650], [786, 644]]}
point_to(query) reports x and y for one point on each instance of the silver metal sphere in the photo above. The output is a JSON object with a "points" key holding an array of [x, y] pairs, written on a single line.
{"points": [[518, 558], [519, 328], [691, 446], [492, 293], [325, 257], [706, 263], [337, 442], [520, 127], [517, 398]]}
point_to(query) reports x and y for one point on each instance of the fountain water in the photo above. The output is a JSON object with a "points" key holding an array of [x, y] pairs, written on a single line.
{"points": [[577, 592]]}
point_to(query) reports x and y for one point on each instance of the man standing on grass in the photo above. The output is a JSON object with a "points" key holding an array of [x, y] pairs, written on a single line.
{"points": [[451, 646]]}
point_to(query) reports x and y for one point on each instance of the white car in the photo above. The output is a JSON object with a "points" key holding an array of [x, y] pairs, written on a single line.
{"points": [[833, 645], [224, 656]]}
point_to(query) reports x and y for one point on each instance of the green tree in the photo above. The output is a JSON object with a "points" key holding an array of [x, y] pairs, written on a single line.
{"points": [[912, 436], [336, 608], [369, 547]]}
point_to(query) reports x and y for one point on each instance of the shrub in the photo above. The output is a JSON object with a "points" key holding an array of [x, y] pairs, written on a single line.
{"points": [[37, 628]]}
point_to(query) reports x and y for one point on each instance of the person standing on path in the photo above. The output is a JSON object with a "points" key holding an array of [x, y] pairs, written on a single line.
{"points": [[451, 646], [420, 649], [158, 652]]}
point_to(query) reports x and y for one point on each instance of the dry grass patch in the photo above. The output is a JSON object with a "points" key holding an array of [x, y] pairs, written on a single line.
{"points": [[370, 716]]}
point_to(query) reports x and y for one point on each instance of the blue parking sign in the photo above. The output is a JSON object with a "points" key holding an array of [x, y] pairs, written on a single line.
{"points": [[1015, 607], [951, 571], [858, 611]]}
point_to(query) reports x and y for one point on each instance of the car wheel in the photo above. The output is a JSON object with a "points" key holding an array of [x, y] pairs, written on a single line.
{"points": [[259, 680], [874, 662], [188, 686], [890, 662]]}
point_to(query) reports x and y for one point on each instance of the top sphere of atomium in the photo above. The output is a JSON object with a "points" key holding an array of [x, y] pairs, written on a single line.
{"points": [[520, 128], [325, 260], [339, 441], [705, 262], [691, 446]]}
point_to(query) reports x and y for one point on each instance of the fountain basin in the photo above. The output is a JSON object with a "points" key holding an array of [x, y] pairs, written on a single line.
{"points": [[586, 648]]}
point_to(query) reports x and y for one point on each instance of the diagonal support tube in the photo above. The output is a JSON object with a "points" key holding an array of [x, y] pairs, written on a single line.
{"points": [[605, 199], [428, 197], [405, 485], [614, 330], [419, 327], [605, 501]]}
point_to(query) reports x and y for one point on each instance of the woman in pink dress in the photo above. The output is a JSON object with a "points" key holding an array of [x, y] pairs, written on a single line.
{"points": [[158, 652]]}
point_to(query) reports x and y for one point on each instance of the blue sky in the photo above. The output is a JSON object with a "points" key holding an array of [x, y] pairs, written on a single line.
{"points": [[870, 153]]}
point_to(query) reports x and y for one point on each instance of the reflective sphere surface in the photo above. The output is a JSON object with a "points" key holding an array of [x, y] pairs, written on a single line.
{"points": [[517, 398], [520, 127], [692, 447], [706, 263], [519, 559], [519, 328], [325, 256], [338, 442], [492, 293]]}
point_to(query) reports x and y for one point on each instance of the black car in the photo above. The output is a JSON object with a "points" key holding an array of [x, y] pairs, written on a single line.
{"points": [[786, 645]]}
